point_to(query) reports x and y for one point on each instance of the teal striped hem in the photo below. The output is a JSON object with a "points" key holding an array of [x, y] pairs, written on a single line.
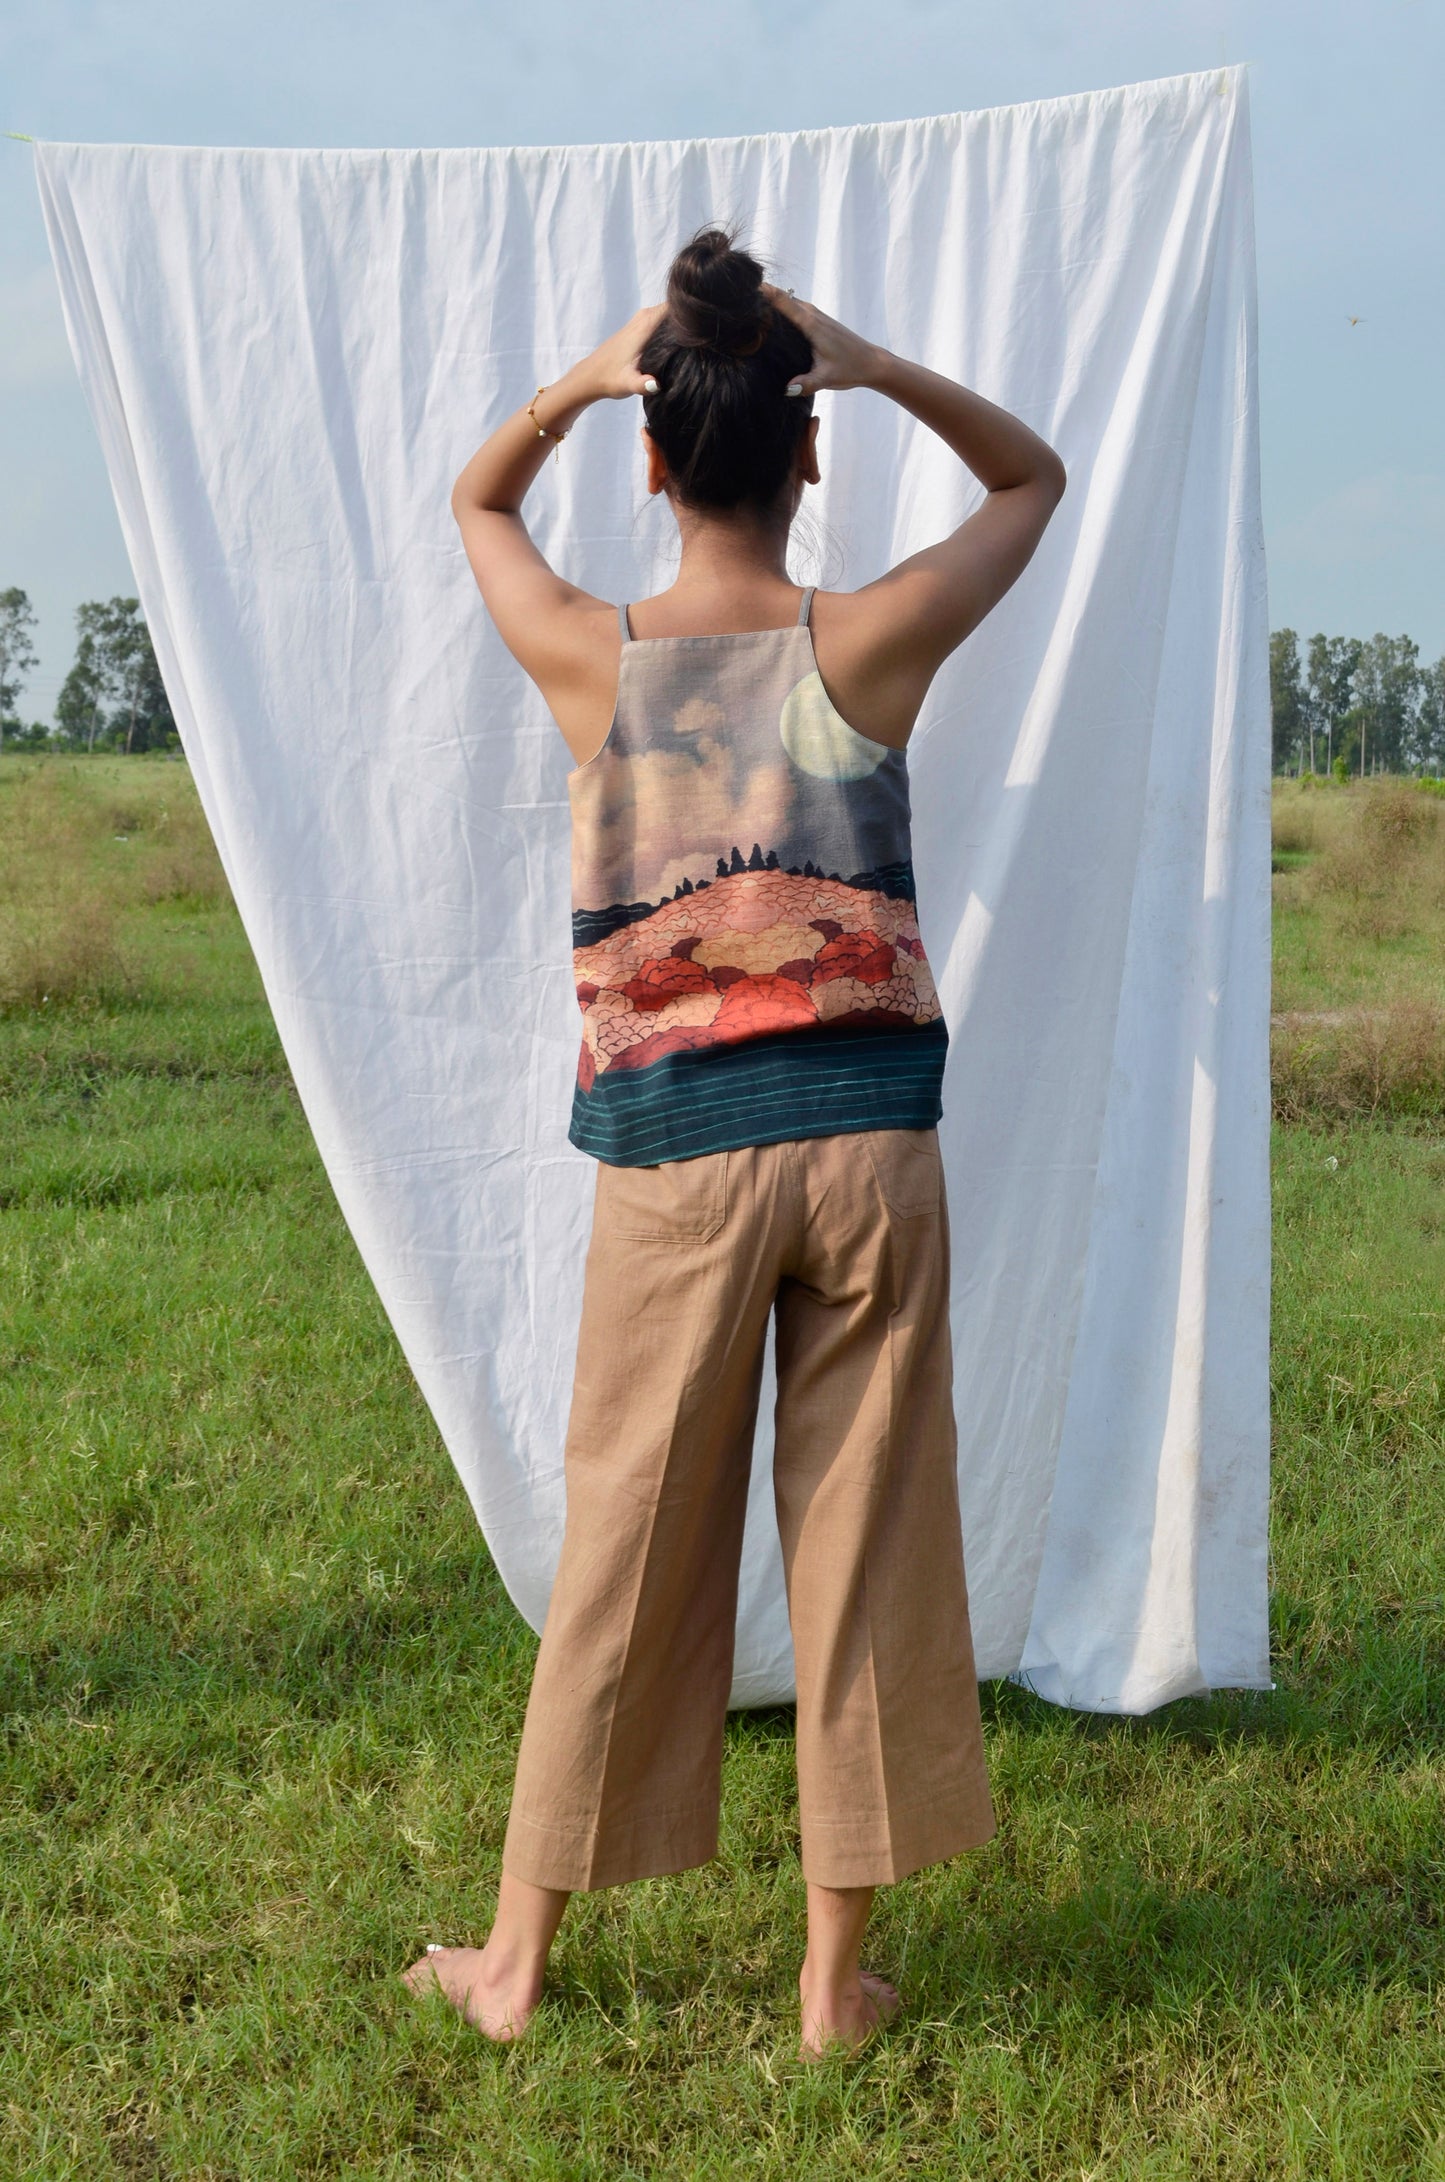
{"points": [[763, 1091]]}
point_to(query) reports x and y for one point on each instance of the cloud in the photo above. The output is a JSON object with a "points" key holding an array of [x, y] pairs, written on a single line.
{"points": [[669, 816], [698, 716]]}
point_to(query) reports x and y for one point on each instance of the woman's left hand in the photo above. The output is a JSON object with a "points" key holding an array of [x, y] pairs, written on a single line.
{"points": [[612, 369]]}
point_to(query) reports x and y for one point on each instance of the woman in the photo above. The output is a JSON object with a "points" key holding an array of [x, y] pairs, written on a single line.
{"points": [[759, 1081]]}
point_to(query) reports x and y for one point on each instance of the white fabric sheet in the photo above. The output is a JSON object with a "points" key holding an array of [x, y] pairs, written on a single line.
{"points": [[290, 354]]}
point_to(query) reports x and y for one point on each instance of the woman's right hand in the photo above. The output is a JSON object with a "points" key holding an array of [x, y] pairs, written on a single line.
{"points": [[841, 358]]}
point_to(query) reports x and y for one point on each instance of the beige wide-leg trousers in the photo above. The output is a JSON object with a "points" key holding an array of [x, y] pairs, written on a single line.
{"points": [[619, 1770]]}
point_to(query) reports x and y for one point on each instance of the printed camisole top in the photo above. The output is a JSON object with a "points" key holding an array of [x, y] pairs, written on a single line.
{"points": [[745, 938]]}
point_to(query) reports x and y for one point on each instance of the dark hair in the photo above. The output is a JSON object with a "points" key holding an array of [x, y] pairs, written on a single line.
{"points": [[721, 358]]}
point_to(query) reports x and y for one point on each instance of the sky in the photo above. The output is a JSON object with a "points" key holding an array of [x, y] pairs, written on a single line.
{"points": [[1349, 163]]}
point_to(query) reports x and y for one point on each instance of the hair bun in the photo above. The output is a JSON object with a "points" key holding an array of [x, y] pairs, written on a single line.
{"points": [[715, 298], [721, 424]]}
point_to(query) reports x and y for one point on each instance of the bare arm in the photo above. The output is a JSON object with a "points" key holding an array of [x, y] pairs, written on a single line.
{"points": [[520, 589], [945, 591], [935, 597], [998, 447]]}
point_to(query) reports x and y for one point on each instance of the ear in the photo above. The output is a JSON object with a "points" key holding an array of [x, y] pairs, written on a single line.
{"points": [[656, 462], [808, 455]]}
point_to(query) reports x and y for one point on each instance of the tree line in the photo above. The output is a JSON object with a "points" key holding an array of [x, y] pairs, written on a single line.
{"points": [[113, 697], [1352, 707]]}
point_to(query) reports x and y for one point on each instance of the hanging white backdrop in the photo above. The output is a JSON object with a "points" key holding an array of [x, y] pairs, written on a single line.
{"points": [[290, 354]]}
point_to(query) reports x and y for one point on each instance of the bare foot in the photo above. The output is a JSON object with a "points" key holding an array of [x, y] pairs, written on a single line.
{"points": [[495, 1998], [847, 2019]]}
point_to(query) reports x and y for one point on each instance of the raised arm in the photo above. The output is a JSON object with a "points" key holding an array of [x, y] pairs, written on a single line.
{"points": [[936, 596], [529, 602]]}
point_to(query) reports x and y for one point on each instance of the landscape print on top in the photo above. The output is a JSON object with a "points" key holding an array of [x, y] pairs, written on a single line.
{"points": [[741, 860]]}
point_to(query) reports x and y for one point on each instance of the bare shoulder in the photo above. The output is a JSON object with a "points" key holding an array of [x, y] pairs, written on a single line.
{"points": [[871, 664], [573, 653], [566, 639], [880, 647]]}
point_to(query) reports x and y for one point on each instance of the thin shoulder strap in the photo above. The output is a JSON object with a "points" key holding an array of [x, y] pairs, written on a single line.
{"points": [[806, 606], [622, 618]]}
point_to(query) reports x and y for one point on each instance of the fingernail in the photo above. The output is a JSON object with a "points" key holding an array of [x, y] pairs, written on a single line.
{"points": [[649, 386], [795, 388]]}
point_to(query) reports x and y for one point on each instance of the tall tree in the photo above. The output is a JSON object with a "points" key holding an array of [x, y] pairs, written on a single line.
{"points": [[125, 642], [1329, 686], [1428, 754], [115, 686], [1287, 702], [145, 705], [17, 653], [1350, 737], [1387, 694], [80, 707], [151, 724]]}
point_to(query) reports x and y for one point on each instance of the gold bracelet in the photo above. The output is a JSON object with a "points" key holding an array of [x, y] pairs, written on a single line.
{"points": [[542, 430]]}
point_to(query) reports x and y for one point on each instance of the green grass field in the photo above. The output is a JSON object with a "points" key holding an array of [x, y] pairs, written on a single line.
{"points": [[262, 1687]]}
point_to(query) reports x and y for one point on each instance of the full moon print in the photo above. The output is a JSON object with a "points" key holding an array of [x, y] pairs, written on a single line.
{"points": [[819, 740]]}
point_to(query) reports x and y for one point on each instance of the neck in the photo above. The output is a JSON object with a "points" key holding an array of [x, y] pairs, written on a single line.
{"points": [[731, 552]]}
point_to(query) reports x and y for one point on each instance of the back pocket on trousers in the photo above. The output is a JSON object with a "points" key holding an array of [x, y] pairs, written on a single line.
{"points": [[680, 1200], [909, 1166]]}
